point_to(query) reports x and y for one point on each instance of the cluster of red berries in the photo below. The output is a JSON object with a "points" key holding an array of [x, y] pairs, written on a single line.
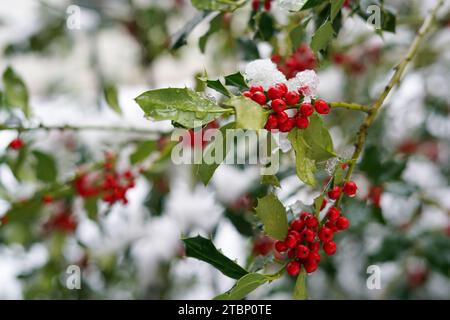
{"points": [[257, 3], [302, 59], [16, 144], [307, 235], [109, 184], [280, 97], [63, 221]]}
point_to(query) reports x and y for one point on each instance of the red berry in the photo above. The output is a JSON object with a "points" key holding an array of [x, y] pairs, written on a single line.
{"points": [[291, 254], [322, 107], [287, 125], [255, 5], [314, 256], [290, 241], [329, 248], [297, 225], [350, 188], [259, 97], [302, 252], [342, 223], [292, 98], [301, 122], [310, 266], [255, 88], [280, 246], [325, 234], [324, 203], [312, 222], [308, 235], [305, 215], [274, 93], [47, 199], [278, 105], [267, 5], [247, 94], [293, 268], [282, 87], [334, 193], [306, 109], [296, 235], [282, 117], [16, 144], [333, 214], [314, 246], [332, 226], [272, 122]]}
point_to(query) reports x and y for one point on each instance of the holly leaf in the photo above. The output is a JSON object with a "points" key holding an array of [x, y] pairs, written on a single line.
{"points": [[300, 291], [249, 114], [15, 91], [273, 215], [216, 85], [309, 4], [318, 139], [214, 26], [46, 169], [204, 170], [236, 80], [181, 105], [111, 97], [204, 250], [142, 151], [91, 207], [270, 180], [179, 39], [305, 166], [336, 6], [322, 37], [244, 286]]}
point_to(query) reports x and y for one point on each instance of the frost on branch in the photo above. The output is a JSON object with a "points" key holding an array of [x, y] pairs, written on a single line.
{"points": [[291, 5], [263, 72], [307, 81]]}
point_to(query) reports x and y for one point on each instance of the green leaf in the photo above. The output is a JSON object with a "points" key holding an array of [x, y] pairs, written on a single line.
{"points": [[15, 91], [309, 4], [179, 39], [236, 80], [205, 171], [270, 180], [318, 204], [273, 215], [142, 151], [318, 139], [336, 6], [215, 25], [296, 35], [184, 106], [91, 207], [216, 5], [248, 49], [266, 26], [111, 97], [244, 286], [216, 85], [338, 176], [46, 169], [305, 167], [203, 249], [322, 37], [249, 114], [300, 291]]}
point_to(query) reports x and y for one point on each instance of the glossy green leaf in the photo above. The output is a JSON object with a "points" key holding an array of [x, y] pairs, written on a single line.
{"points": [[142, 151], [203, 249], [91, 207], [111, 97], [236, 80], [322, 37], [336, 6], [46, 169], [215, 25], [249, 114], [309, 4], [15, 91], [305, 166], [184, 106], [273, 215], [300, 291], [216, 85], [318, 139], [216, 5], [270, 180], [244, 286]]}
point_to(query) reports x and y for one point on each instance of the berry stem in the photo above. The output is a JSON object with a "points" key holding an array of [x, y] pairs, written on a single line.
{"points": [[350, 106], [395, 80]]}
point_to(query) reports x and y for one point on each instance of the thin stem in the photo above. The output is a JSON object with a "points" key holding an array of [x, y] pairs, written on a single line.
{"points": [[350, 106], [395, 80]]}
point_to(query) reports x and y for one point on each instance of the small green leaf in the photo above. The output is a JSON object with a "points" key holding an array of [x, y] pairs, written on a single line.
{"points": [[266, 26], [142, 151], [338, 176], [270, 180], [336, 6], [91, 207], [322, 37], [15, 91], [203, 249], [300, 291], [318, 139], [305, 167], [296, 35], [318, 204], [184, 106], [205, 171], [111, 97], [179, 39], [46, 169], [244, 286], [215, 5], [215, 25], [236, 80], [273, 215], [216, 85], [249, 114], [309, 4]]}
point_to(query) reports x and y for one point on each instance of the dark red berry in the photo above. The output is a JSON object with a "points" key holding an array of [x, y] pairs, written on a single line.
{"points": [[291, 253], [322, 107], [272, 122], [301, 122], [305, 215], [333, 214], [16, 144], [350, 188], [247, 94], [296, 234], [332, 226], [325, 234], [308, 235], [290, 241], [274, 92], [323, 205], [306, 109], [312, 222], [329, 248], [267, 5], [287, 125], [255, 5], [302, 252], [292, 98], [310, 266], [314, 256], [342, 223], [255, 88], [293, 268], [283, 88], [334, 193], [314, 246], [297, 225], [47, 199], [282, 117], [280, 246], [278, 105], [259, 97]]}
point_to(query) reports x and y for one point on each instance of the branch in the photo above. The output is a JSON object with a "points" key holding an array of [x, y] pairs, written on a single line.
{"points": [[395, 80], [350, 106]]}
